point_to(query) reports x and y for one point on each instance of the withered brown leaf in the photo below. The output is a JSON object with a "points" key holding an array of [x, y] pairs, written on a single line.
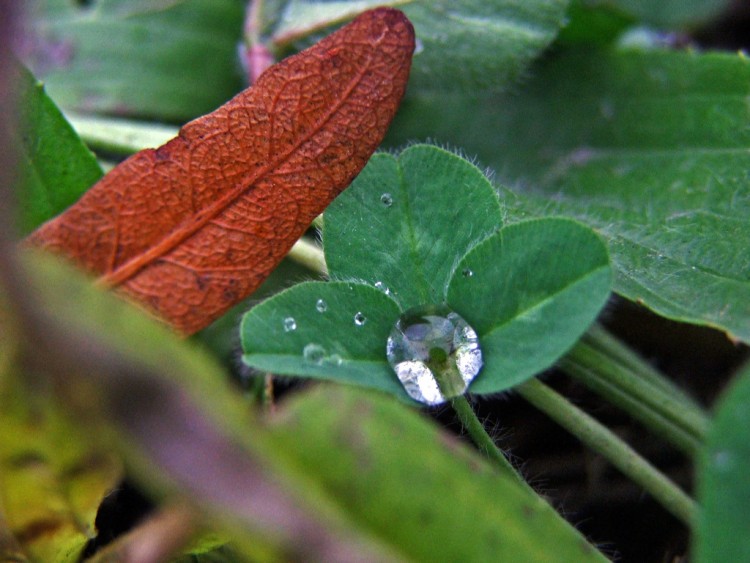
{"points": [[192, 227]]}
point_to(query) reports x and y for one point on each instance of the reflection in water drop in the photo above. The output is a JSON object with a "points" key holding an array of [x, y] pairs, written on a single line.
{"points": [[359, 319], [290, 324], [386, 199], [314, 353], [434, 352], [321, 306]]}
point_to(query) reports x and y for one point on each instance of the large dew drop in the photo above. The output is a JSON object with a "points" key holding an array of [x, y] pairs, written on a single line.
{"points": [[434, 352]]}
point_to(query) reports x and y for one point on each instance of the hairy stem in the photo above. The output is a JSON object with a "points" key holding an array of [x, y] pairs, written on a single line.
{"points": [[309, 255], [602, 440], [651, 418], [612, 370], [483, 440], [598, 337]]}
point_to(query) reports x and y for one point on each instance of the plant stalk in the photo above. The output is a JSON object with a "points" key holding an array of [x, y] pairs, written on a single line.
{"points": [[483, 440], [602, 440], [599, 338], [120, 136], [640, 396], [310, 255], [652, 419]]}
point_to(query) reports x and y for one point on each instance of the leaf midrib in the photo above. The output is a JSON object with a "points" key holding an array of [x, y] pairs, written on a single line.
{"points": [[415, 257]]}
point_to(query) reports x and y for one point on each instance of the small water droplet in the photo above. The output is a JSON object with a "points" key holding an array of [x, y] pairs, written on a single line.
{"points": [[467, 273], [434, 352], [321, 306], [382, 287], [290, 324], [418, 46], [335, 359], [723, 460], [386, 199], [359, 319], [314, 353]]}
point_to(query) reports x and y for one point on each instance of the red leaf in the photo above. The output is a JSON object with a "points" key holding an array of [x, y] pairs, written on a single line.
{"points": [[196, 225]]}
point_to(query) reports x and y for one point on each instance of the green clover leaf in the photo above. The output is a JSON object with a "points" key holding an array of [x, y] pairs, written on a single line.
{"points": [[425, 229]]}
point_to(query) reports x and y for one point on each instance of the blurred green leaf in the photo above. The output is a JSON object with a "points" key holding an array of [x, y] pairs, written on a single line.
{"points": [[168, 60], [166, 408], [460, 43], [530, 291], [414, 487], [309, 330], [332, 476], [671, 13], [593, 23], [55, 167], [724, 480], [651, 149], [407, 220]]}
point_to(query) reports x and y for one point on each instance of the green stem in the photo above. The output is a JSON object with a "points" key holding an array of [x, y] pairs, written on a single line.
{"points": [[607, 343], [652, 419], [120, 136], [483, 440], [602, 440], [309, 255], [603, 372]]}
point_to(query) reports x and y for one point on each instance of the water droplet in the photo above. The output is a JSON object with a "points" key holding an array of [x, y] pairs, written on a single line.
{"points": [[335, 359], [434, 352], [386, 199], [314, 353], [359, 319], [418, 46], [321, 306], [290, 324], [467, 273], [382, 287], [723, 460]]}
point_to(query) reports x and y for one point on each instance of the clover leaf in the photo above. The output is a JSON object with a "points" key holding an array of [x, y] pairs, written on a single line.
{"points": [[425, 229]]}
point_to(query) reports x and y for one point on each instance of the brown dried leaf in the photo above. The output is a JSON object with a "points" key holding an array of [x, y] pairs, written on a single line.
{"points": [[196, 225]]}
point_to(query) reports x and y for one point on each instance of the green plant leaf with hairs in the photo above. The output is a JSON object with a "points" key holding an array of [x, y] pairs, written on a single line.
{"points": [[397, 226], [529, 290]]}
